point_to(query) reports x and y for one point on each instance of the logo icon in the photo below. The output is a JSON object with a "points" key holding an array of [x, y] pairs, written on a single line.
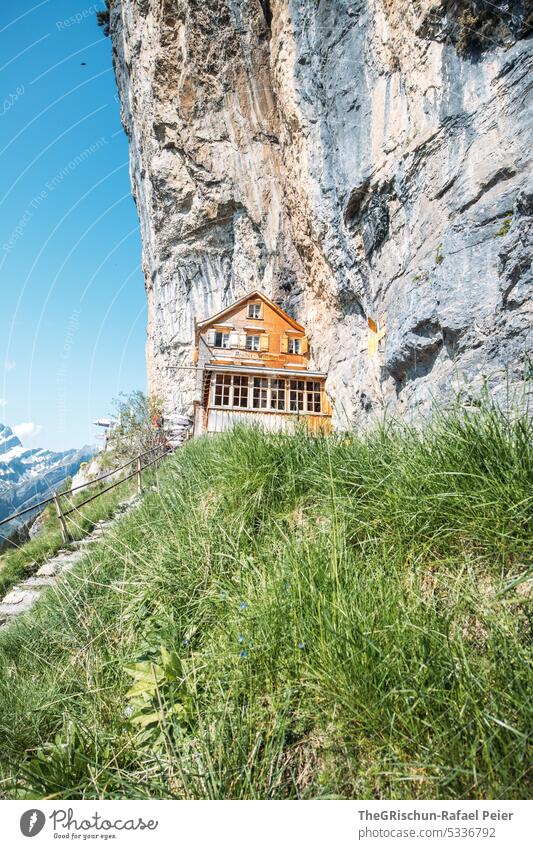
{"points": [[32, 822]]}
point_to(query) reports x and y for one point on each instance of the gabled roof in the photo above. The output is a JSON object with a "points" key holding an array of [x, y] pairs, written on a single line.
{"points": [[254, 294]]}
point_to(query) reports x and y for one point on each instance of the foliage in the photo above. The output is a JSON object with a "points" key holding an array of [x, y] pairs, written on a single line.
{"points": [[439, 257], [103, 18], [477, 26], [293, 617], [506, 226], [135, 433], [158, 700]]}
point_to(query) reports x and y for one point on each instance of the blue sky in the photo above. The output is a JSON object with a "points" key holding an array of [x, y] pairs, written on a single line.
{"points": [[72, 302]]}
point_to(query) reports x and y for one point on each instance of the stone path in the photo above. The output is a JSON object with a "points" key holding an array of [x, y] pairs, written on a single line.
{"points": [[19, 599]]}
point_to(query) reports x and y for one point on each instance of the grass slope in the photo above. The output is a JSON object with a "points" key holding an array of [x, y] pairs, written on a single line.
{"points": [[292, 617]]}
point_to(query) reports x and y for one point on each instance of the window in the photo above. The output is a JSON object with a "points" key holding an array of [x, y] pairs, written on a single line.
{"points": [[222, 390], [252, 343], [294, 345], [254, 310], [240, 391], [296, 395], [260, 393], [277, 398], [314, 396], [221, 339]]}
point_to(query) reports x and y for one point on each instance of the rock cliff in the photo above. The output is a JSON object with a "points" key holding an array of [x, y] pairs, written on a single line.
{"points": [[356, 159]]}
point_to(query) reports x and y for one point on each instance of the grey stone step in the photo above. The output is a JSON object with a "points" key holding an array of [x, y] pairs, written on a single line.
{"points": [[47, 570], [15, 596], [59, 564], [83, 543], [37, 581], [18, 601]]}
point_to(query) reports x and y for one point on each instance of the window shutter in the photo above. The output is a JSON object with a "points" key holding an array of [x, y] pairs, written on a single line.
{"points": [[234, 339], [304, 345], [284, 344], [263, 342], [261, 306], [242, 340], [210, 337]]}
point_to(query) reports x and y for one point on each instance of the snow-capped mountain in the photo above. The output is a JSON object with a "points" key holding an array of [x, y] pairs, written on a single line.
{"points": [[28, 475]]}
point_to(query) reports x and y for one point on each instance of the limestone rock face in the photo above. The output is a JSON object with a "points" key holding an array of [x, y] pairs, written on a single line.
{"points": [[355, 159]]}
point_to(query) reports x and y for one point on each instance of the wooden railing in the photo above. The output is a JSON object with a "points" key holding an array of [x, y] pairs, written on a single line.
{"points": [[57, 496]]}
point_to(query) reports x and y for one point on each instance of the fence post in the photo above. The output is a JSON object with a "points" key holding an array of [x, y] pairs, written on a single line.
{"points": [[62, 521], [139, 482]]}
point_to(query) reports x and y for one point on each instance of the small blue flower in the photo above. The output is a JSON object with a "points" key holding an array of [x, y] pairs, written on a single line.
{"points": [[244, 653], [241, 638], [223, 595], [301, 645], [243, 606], [185, 642]]}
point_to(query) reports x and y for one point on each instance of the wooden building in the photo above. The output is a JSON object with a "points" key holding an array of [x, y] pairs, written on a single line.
{"points": [[253, 366]]}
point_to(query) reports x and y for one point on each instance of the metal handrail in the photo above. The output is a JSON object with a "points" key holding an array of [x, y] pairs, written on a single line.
{"points": [[27, 510], [89, 483], [112, 472], [113, 485], [98, 494], [101, 478]]}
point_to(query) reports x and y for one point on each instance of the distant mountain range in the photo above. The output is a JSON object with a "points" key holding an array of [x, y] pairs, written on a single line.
{"points": [[28, 475]]}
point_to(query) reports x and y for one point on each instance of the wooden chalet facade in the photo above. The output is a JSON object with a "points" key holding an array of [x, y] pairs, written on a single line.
{"points": [[253, 366]]}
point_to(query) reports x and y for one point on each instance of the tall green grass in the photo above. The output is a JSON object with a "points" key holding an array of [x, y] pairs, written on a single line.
{"points": [[292, 617]]}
